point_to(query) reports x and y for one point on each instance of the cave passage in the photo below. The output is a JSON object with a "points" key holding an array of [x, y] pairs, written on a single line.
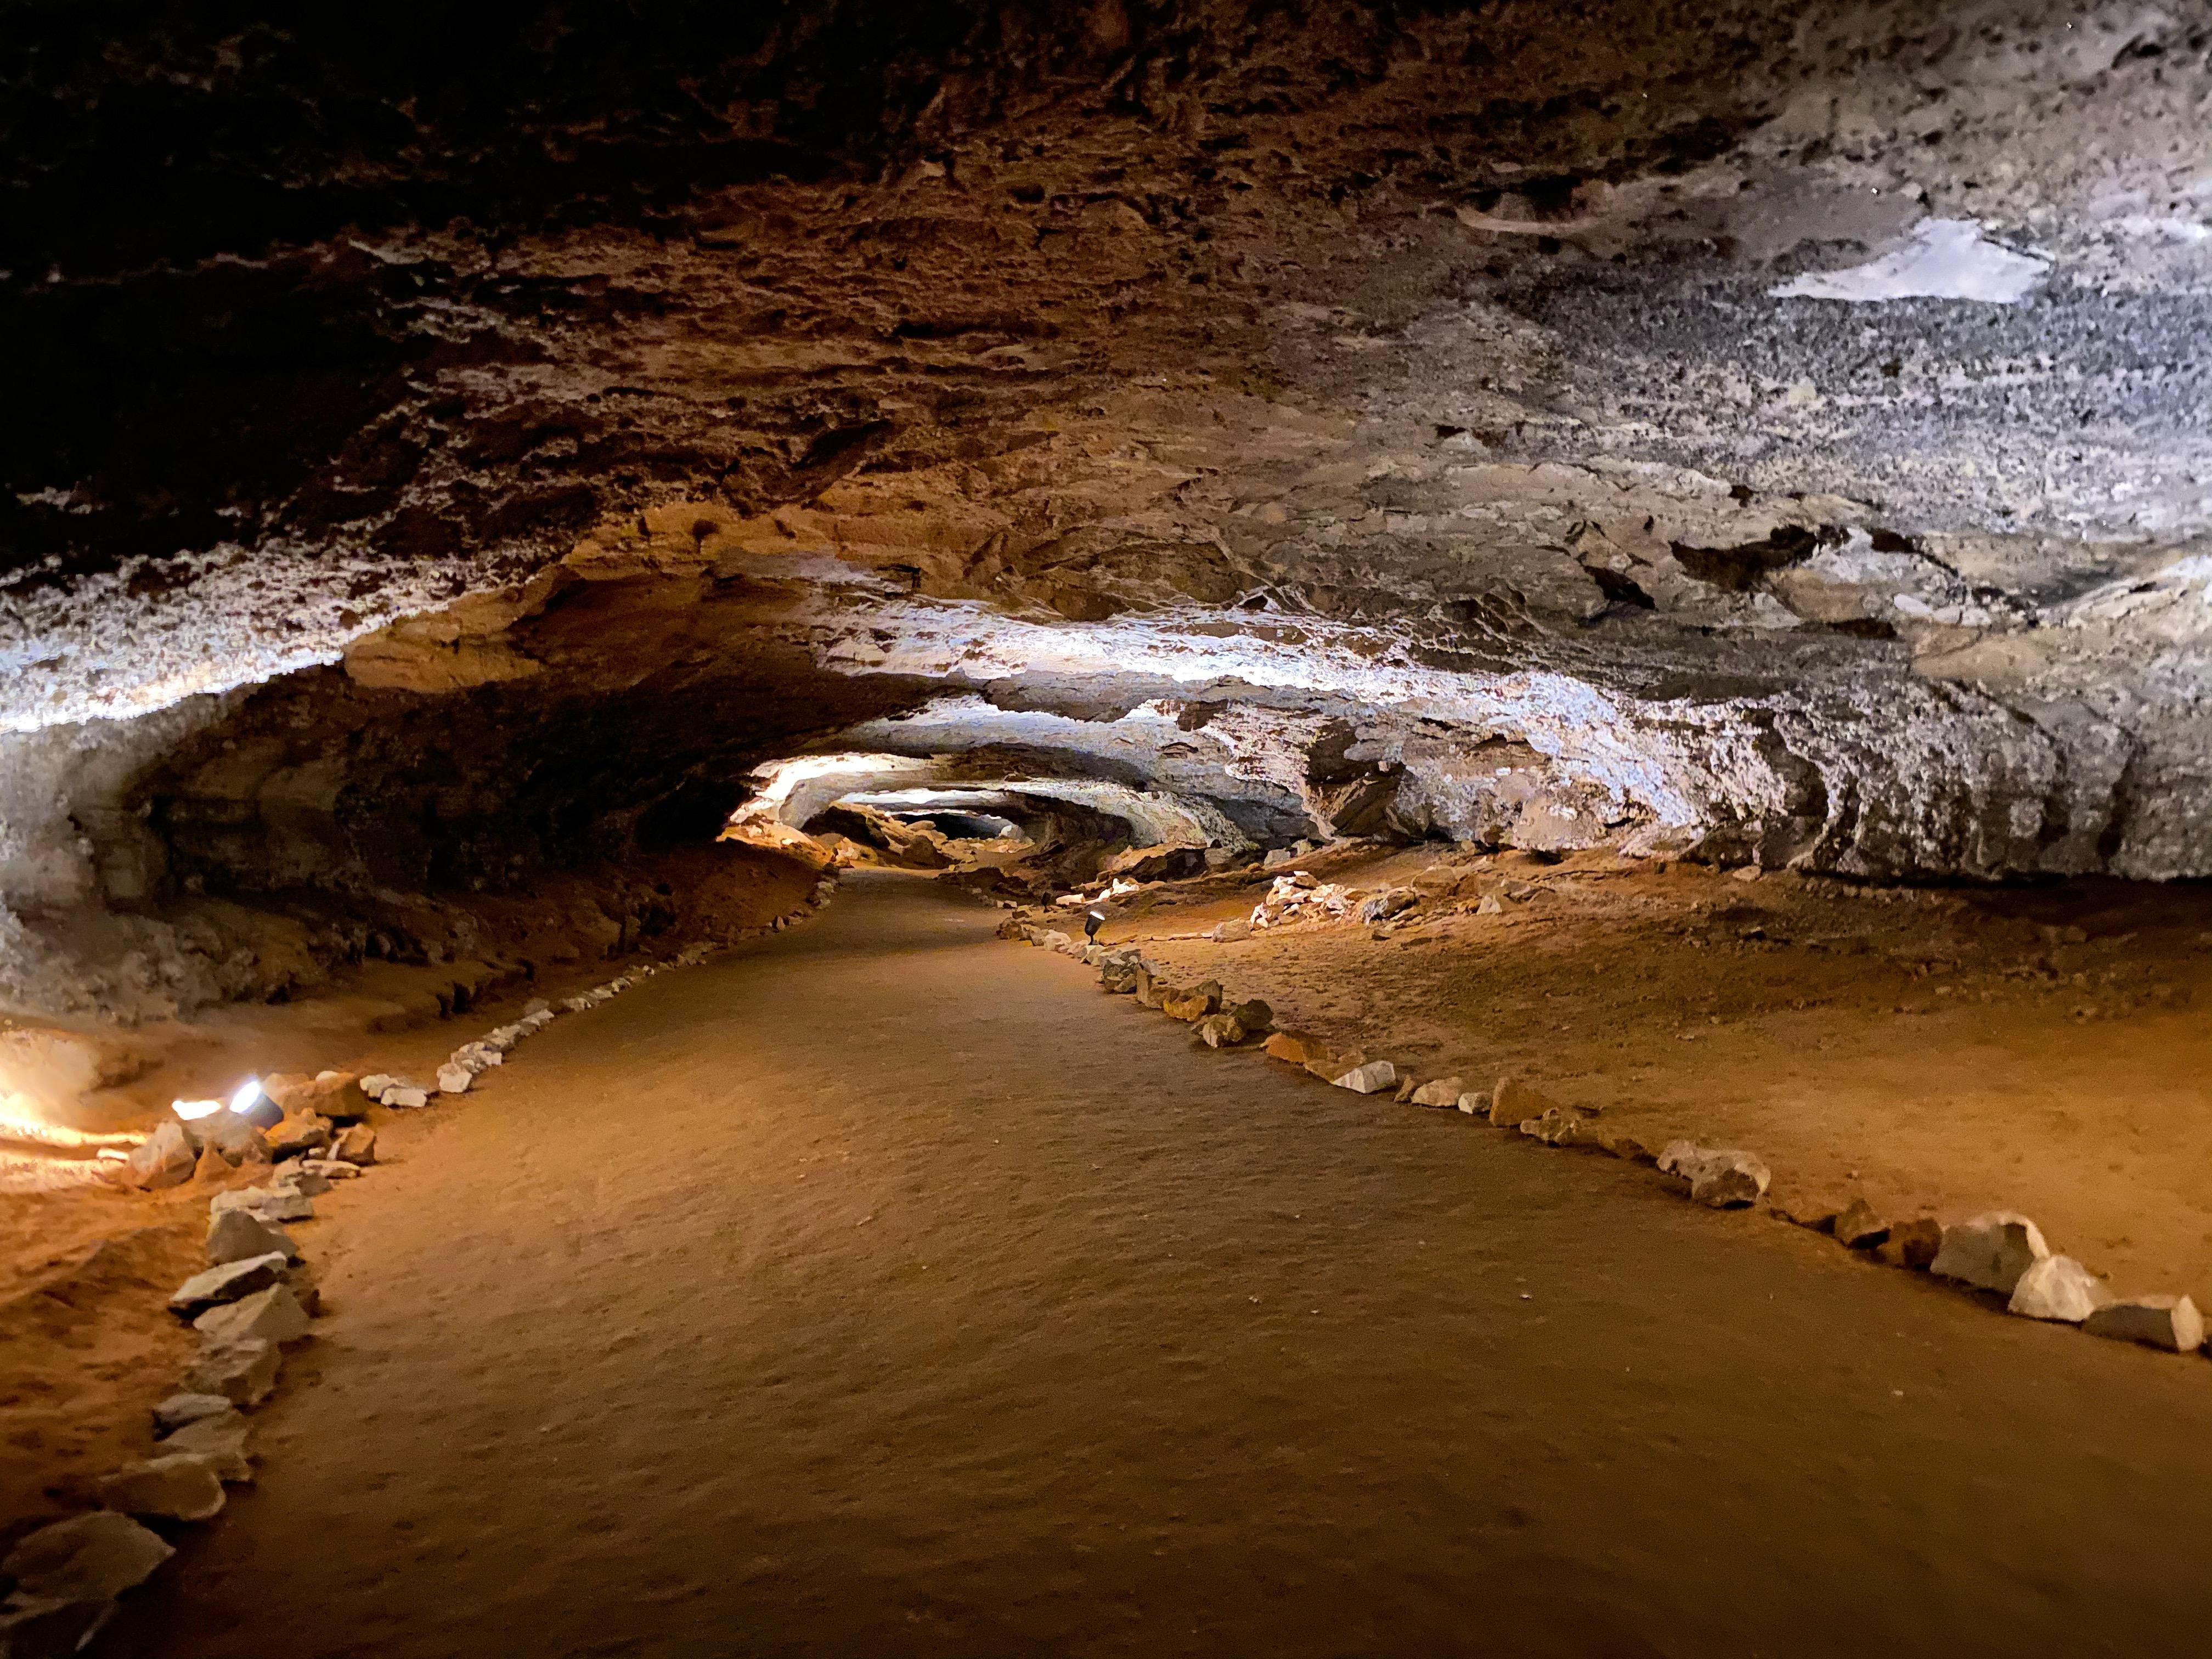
{"points": [[743, 1321]]}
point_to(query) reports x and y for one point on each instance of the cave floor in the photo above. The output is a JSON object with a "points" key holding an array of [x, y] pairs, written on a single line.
{"points": [[883, 1288]]}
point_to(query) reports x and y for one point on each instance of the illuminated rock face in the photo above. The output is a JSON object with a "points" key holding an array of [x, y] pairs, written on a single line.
{"points": [[1690, 425]]}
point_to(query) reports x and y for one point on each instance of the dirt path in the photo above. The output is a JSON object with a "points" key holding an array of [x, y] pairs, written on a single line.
{"points": [[882, 1289]]}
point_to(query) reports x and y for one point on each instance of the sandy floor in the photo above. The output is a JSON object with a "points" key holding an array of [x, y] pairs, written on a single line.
{"points": [[84, 1271], [1939, 1051], [882, 1288]]}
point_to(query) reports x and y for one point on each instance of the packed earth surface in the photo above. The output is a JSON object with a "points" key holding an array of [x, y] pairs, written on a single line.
{"points": [[1629, 583]]}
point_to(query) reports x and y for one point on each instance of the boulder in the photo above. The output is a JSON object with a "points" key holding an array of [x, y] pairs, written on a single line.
{"points": [[2158, 1322], [87, 1558], [240, 1235], [1390, 902], [1296, 1048], [174, 1486], [1720, 1177], [2058, 1287], [1861, 1226], [406, 1097], [307, 1133], [1512, 1102], [1440, 1091], [1151, 988], [164, 1158], [356, 1145], [273, 1314], [230, 1134], [1913, 1244], [180, 1409], [1372, 1077], [218, 1443], [1194, 1004], [1558, 1126], [1990, 1252], [228, 1283], [243, 1372], [454, 1079], [329, 1094]]}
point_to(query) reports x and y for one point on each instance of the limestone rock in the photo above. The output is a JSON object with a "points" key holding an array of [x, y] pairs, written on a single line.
{"points": [[230, 1134], [164, 1158], [1512, 1102], [218, 1443], [243, 1372], [329, 1094], [180, 1409], [1296, 1048], [1330, 1065], [1913, 1244], [376, 1083], [269, 1203], [240, 1235], [1390, 902], [2158, 1322], [1194, 1004], [325, 1171], [1475, 1105], [1990, 1252], [1404, 1091], [406, 1097], [175, 1487], [1151, 988], [1861, 1227], [1236, 928], [274, 1315], [536, 1006], [454, 1079], [1221, 1031], [1558, 1126], [87, 1558], [2058, 1287], [309, 1132], [1118, 978], [1440, 1091], [356, 1145], [1372, 1077], [1722, 1178], [227, 1283]]}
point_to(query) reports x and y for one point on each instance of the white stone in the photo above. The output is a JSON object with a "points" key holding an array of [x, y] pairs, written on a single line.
{"points": [[273, 1314], [1474, 1105], [87, 1558], [176, 1486], [217, 1442], [269, 1203], [243, 1372], [535, 1006], [376, 1083], [164, 1158], [1440, 1091], [180, 1409], [454, 1079], [1720, 1177], [406, 1097], [1990, 1251], [228, 1283], [1373, 1078], [240, 1235], [2158, 1321], [2058, 1287]]}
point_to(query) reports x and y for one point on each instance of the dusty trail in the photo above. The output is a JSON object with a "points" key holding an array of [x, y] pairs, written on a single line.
{"points": [[882, 1289]]}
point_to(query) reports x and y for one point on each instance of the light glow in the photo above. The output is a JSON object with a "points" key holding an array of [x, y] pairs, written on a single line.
{"points": [[191, 1111], [247, 1093]]}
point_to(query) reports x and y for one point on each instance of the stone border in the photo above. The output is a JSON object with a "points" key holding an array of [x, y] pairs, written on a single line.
{"points": [[256, 1298], [1999, 1253]]}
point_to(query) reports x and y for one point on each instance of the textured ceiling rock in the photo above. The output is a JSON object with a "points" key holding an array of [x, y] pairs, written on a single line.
{"points": [[1771, 429]]}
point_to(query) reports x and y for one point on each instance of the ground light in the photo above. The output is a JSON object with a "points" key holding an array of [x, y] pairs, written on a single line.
{"points": [[253, 1105]]}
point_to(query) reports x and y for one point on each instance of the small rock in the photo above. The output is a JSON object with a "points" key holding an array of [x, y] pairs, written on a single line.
{"points": [[297, 1178], [454, 1079], [240, 1235], [1193, 1005], [230, 1134], [357, 1145], [331, 1094], [227, 1283], [1237, 928], [1222, 1032], [1614, 1143], [309, 1132], [328, 1170], [376, 1083], [269, 1203], [1561, 1125], [406, 1097], [179, 1409], [1390, 902], [1440, 1091], [174, 1486], [1253, 1015], [1151, 988], [1512, 1102], [2171, 1322], [2058, 1287], [1913, 1244], [1476, 1104], [218, 1443], [1990, 1252], [274, 1315], [1861, 1227], [535, 1006], [1372, 1077], [1296, 1048], [87, 1558], [1489, 905], [1404, 1091], [164, 1158], [242, 1372], [1330, 1065], [1721, 1178]]}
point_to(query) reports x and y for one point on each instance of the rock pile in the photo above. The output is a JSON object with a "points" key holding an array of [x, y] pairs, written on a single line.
{"points": [[1300, 896]]}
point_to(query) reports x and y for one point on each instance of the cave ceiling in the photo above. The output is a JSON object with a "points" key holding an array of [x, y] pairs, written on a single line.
{"points": [[1776, 431]]}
